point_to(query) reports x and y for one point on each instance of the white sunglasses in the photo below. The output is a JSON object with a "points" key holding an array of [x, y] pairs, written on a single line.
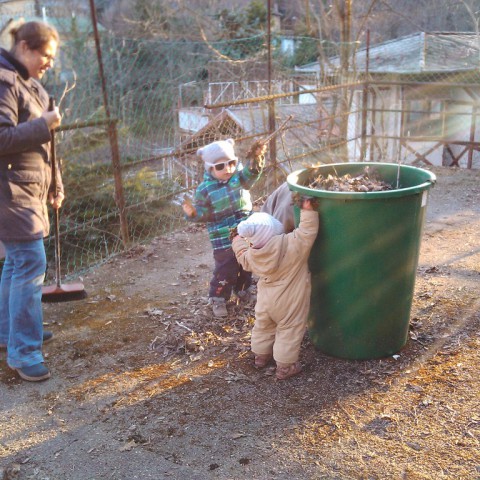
{"points": [[220, 166]]}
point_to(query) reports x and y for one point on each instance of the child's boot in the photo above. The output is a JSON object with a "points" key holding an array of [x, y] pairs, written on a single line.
{"points": [[287, 370], [243, 296], [247, 296], [219, 307], [262, 360]]}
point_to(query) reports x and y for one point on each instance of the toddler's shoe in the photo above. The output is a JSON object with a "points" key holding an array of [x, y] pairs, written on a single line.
{"points": [[247, 296], [219, 307], [33, 373], [287, 370], [244, 296], [263, 360], [47, 337]]}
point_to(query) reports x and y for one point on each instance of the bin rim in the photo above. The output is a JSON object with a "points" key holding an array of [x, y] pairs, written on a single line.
{"points": [[292, 179]]}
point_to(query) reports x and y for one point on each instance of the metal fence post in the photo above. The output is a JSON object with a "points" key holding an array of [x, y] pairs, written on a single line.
{"points": [[112, 136], [365, 104], [271, 104]]}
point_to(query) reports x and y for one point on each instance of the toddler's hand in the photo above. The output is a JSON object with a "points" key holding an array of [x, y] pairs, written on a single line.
{"points": [[259, 149], [188, 207], [233, 233], [257, 154], [307, 204]]}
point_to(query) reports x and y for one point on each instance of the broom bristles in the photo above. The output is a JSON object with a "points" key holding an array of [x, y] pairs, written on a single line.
{"points": [[64, 293]]}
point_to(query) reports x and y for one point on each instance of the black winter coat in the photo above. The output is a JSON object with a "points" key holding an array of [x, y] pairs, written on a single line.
{"points": [[25, 168]]}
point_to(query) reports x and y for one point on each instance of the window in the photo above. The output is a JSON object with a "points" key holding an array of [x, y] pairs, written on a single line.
{"points": [[424, 118]]}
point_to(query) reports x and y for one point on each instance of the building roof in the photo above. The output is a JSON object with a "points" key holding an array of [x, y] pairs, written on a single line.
{"points": [[421, 52], [306, 128]]}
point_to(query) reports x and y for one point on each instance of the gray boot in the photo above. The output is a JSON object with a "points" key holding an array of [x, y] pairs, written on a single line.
{"points": [[219, 306], [247, 296]]}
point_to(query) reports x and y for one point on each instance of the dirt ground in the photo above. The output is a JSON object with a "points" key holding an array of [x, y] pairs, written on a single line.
{"points": [[146, 384]]}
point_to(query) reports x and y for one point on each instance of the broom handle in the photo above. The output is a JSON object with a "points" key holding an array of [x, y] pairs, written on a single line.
{"points": [[56, 223]]}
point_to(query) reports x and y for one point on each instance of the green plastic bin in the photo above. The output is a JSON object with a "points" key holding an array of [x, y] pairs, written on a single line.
{"points": [[364, 260]]}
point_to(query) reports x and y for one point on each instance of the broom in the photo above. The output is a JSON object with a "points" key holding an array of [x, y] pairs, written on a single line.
{"points": [[59, 292]]}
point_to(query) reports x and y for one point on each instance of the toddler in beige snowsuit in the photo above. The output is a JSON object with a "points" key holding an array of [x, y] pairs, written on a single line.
{"points": [[283, 289]]}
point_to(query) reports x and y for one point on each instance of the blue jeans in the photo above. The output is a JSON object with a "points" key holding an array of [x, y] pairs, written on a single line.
{"points": [[21, 317]]}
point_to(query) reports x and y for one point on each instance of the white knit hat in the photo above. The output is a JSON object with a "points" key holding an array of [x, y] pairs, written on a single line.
{"points": [[259, 228], [217, 152]]}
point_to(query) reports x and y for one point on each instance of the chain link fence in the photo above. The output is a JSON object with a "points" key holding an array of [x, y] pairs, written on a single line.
{"points": [[169, 98], [157, 91]]}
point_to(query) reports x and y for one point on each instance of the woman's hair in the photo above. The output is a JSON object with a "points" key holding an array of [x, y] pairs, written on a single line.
{"points": [[36, 34]]}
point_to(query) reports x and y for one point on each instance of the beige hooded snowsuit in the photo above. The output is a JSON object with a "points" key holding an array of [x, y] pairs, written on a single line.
{"points": [[283, 289]]}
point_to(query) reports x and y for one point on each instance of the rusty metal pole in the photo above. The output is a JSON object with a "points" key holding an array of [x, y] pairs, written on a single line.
{"points": [[365, 102], [112, 136], [271, 104], [307, 17], [472, 137]]}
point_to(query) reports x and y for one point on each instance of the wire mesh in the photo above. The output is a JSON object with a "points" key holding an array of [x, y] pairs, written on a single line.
{"points": [[156, 91], [169, 98]]}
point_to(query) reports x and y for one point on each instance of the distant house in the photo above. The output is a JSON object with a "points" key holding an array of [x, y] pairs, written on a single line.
{"points": [[70, 26], [10, 12], [423, 98], [253, 122], [15, 8], [419, 53], [13, 11], [310, 124]]}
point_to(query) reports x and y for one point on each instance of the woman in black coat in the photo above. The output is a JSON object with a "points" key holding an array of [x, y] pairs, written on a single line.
{"points": [[25, 189]]}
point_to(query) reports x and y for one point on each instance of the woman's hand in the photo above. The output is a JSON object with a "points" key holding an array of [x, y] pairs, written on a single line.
{"points": [[56, 201], [53, 118]]}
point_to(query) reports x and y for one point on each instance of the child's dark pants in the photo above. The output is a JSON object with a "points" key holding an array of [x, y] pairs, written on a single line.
{"points": [[228, 275]]}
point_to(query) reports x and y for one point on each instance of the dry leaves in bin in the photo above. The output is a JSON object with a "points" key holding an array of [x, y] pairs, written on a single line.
{"points": [[368, 181]]}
